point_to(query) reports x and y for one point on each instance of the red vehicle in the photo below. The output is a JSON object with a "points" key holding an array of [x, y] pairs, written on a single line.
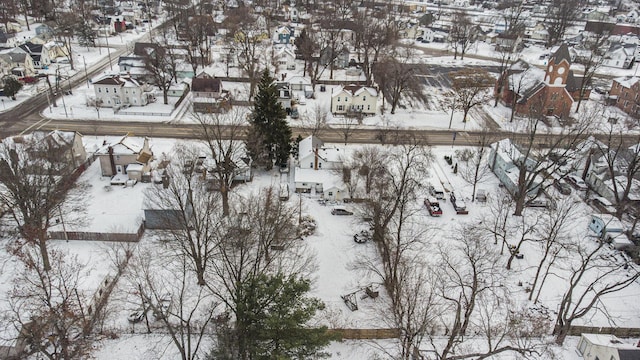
{"points": [[29, 79], [433, 206]]}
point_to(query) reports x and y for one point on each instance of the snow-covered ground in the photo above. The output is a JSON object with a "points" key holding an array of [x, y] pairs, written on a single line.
{"points": [[335, 252]]}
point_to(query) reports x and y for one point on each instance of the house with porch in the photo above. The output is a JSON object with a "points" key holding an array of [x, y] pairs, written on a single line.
{"points": [[354, 99], [16, 62], [126, 158], [115, 91]]}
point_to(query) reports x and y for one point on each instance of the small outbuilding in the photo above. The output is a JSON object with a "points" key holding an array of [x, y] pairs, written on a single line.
{"points": [[606, 347]]}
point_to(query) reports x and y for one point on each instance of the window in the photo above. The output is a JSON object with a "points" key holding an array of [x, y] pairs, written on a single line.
{"points": [[311, 165], [340, 108], [582, 346], [338, 98], [368, 107], [330, 193], [115, 91], [99, 90], [364, 98], [319, 165], [106, 90]]}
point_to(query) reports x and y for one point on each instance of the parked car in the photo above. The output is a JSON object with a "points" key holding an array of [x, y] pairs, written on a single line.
{"points": [[419, 38], [458, 205], [433, 206], [436, 191], [362, 237], [339, 210], [577, 182], [562, 187]]}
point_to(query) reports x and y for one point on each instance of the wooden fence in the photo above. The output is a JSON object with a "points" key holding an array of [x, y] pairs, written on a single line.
{"points": [[98, 236], [617, 331]]}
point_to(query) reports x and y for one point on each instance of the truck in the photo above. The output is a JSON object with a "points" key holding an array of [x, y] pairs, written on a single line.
{"points": [[458, 204], [433, 206]]}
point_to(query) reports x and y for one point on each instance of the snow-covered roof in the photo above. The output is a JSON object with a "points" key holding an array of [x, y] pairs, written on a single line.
{"points": [[327, 178], [124, 146], [627, 81], [354, 90], [327, 153], [608, 340]]}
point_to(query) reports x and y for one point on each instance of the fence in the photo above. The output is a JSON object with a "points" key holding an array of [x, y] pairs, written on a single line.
{"points": [[617, 331], [365, 334], [98, 236]]}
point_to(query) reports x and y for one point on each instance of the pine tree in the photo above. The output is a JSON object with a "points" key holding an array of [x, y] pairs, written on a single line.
{"points": [[11, 87], [278, 310], [270, 135]]}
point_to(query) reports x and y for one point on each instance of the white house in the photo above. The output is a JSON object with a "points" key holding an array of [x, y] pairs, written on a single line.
{"points": [[115, 91], [354, 98], [620, 55], [503, 160], [606, 347], [325, 183], [285, 58], [313, 154]]}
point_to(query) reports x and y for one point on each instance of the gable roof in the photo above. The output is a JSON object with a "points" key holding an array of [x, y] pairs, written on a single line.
{"points": [[117, 80], [123, 146], [354, 90], [31, 48], [206, 84], [145, 49], [561, 54]]}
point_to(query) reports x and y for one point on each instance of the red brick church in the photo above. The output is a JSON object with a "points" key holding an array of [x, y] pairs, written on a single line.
{"points": [[537, 92]]}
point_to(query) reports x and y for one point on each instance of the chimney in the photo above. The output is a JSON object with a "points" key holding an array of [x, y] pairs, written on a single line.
{"points": [[315, 159], [111, 160]]}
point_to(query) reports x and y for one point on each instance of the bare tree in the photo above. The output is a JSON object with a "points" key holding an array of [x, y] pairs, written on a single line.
{"points": [[534, 161], [474, 168], [560, 15], [552, 239], [622, 165], [315, 120], [370, 163], [396, 78], [376, 34], [189, 213], [591, 276], [182, 307], [35, 177], [591, 58], [48, 306], [470, 87], [196, 34], [160, 64], [259, 238], [462, 33], [248, 39], [345, 127], [223, 134]]}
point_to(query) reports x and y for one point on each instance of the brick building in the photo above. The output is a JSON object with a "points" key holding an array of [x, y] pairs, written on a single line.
{"points": [[624, 94]]}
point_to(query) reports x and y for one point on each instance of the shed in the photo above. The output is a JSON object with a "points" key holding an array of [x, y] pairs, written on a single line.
{"points": [[606, 347]]}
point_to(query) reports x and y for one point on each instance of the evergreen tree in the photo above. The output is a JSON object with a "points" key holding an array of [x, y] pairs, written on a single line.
{"points": [[275, 311], [11, 86], [270, 135]]}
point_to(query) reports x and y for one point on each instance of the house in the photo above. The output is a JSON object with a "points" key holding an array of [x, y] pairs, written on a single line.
{"points": [[54, 50], [16, 62], [40, 58], [116, 91], [537, 33], [313, 172], [208, 95], [313, 154], [69, 144], [340, 57], [620, 55], [321, 182], [606, 347], [284, 95], [44, 31], [508, 42], [608, 228], [126, 158], [8, 40], [551, 95], [505, 160], [285, 58], [300, 85], [133, 66], [283, 35], [625, 92], [354, 99]]}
